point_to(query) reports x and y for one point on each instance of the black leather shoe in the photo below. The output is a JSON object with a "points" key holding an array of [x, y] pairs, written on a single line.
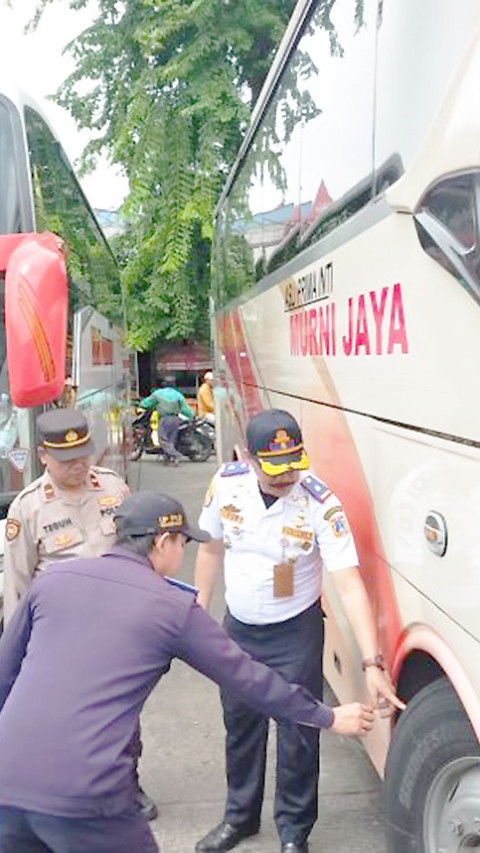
{"points": [[292, 847], [225, 837], [145, 805]]}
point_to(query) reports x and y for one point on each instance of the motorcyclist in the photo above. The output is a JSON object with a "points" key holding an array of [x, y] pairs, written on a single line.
{"points": [[170, 404]]}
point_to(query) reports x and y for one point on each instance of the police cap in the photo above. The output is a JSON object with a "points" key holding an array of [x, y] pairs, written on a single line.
{"points": [[154, 512], [275, 439], [64, 433]]}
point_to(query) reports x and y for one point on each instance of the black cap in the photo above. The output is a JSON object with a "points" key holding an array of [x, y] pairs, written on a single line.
{"points": [[154, 512], [275, 438], [65, 434]]}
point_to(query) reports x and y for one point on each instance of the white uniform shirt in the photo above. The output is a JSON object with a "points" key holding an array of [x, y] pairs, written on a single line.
{"points": [[309, 531], [45, 524]]}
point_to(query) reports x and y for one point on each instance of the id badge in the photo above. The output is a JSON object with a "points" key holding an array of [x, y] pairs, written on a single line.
{"points": [[283, 580]]}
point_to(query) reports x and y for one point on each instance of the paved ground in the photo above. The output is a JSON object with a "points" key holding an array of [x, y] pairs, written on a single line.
{"points": [[183, 765]]}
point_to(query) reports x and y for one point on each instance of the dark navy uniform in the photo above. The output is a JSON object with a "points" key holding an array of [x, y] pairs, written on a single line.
{"points": [[85, 647]]}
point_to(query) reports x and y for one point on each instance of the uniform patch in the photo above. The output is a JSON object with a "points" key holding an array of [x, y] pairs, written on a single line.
{"points": [[298, 534], [231, 513], [48, 491], [62, 540], [12, 529], [174, 519], [209, 494], [57, 525], [332, 511], [339, 524], [109, 500], [316, 488]]}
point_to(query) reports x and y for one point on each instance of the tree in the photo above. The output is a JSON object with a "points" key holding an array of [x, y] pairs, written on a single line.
{"points": [[167, 86]]}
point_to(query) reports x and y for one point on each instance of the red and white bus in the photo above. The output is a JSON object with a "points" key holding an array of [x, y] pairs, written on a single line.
{"points": [[347, 290], [57, 273]]}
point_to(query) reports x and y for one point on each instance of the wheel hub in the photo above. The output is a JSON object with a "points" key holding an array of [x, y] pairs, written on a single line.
{"points": [[452, 808]]}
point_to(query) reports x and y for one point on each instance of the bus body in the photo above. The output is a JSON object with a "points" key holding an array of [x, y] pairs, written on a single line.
{"points": [[40, 194], [347, 290]]}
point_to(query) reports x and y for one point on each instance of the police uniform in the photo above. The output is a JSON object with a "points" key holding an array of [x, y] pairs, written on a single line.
{"points": [[274, 561], [70, 773], [47, 523]]}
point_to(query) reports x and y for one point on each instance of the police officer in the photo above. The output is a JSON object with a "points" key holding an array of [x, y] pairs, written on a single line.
{"points": [[277, 526], [100, 632], [67, 512]]}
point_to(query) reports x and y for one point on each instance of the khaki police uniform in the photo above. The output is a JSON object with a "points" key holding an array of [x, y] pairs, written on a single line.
{"points": [[45, 524]]}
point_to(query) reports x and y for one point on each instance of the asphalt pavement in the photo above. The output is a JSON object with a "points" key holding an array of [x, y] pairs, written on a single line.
{"points": [[182, 765]]}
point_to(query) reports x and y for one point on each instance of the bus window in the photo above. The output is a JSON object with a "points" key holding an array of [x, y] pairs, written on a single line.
{"points": [[9, 194], [418, 55], [447, 225], [60, 207], [337, 156]]}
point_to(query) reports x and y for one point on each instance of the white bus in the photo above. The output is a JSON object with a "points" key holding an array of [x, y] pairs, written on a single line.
{"points": [[58, 273], [347, 290]]}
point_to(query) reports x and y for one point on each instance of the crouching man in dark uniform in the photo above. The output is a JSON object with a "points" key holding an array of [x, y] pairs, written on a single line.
{"points": [[85, 647]]}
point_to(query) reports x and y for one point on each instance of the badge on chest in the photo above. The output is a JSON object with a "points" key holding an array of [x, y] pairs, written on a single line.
{"points": [[283, 586]]}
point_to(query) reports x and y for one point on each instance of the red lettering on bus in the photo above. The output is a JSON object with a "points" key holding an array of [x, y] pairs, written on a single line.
{"points": [[294, 342], [324, 333], [397, 335], [348, 344], [362, 338], [312, 332], [378, 312]]}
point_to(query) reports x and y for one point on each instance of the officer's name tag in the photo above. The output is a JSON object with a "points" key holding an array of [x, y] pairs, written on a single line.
{"points": [[283, 580]]}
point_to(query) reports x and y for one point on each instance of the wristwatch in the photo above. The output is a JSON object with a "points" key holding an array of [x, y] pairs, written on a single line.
{"points": [[378, 661]]}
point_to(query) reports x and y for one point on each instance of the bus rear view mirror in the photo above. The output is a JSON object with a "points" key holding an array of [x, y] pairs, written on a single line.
{"points": [[36, 299]]}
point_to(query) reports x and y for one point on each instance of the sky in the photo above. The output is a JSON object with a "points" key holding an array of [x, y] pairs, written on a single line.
{"points": [[35, 63]]}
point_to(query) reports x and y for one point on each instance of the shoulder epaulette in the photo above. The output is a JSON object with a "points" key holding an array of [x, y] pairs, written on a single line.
{"points": [[181, 585], [316, 488], [232, 468], [98, 470], [32, 487]]}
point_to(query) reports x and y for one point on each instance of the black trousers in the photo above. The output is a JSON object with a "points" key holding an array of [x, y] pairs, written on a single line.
{"points": [[294, 648], [24, 831]]}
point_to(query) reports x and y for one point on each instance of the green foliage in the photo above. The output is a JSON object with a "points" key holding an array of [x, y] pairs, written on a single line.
{"points": [[167, 87]]}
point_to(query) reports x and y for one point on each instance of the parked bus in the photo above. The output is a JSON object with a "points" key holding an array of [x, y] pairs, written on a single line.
{"points": [[57, 275], [347, 290]]}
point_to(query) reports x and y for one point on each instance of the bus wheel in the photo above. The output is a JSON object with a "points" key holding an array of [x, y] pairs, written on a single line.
{"points": [[433, 776]]}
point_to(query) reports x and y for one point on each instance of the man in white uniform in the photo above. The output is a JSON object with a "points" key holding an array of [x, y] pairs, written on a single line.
{"points": [[277, 528]]}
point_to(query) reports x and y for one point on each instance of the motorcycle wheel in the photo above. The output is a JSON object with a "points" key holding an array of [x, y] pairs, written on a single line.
{"points": [[136, 445], [198, 448]]}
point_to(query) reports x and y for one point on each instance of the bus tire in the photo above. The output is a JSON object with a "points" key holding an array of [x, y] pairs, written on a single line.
{"points": [[432, 777]]}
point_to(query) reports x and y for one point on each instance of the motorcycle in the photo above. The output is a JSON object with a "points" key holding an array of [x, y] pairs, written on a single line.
{"points": [[191, 440], [208, 429]]}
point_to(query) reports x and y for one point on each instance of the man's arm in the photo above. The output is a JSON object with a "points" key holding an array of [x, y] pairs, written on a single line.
{"points": [[207, 567], [13, 646], [351, 589], [206, 646], [185, 409], [20, 560], [149, 402]]}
